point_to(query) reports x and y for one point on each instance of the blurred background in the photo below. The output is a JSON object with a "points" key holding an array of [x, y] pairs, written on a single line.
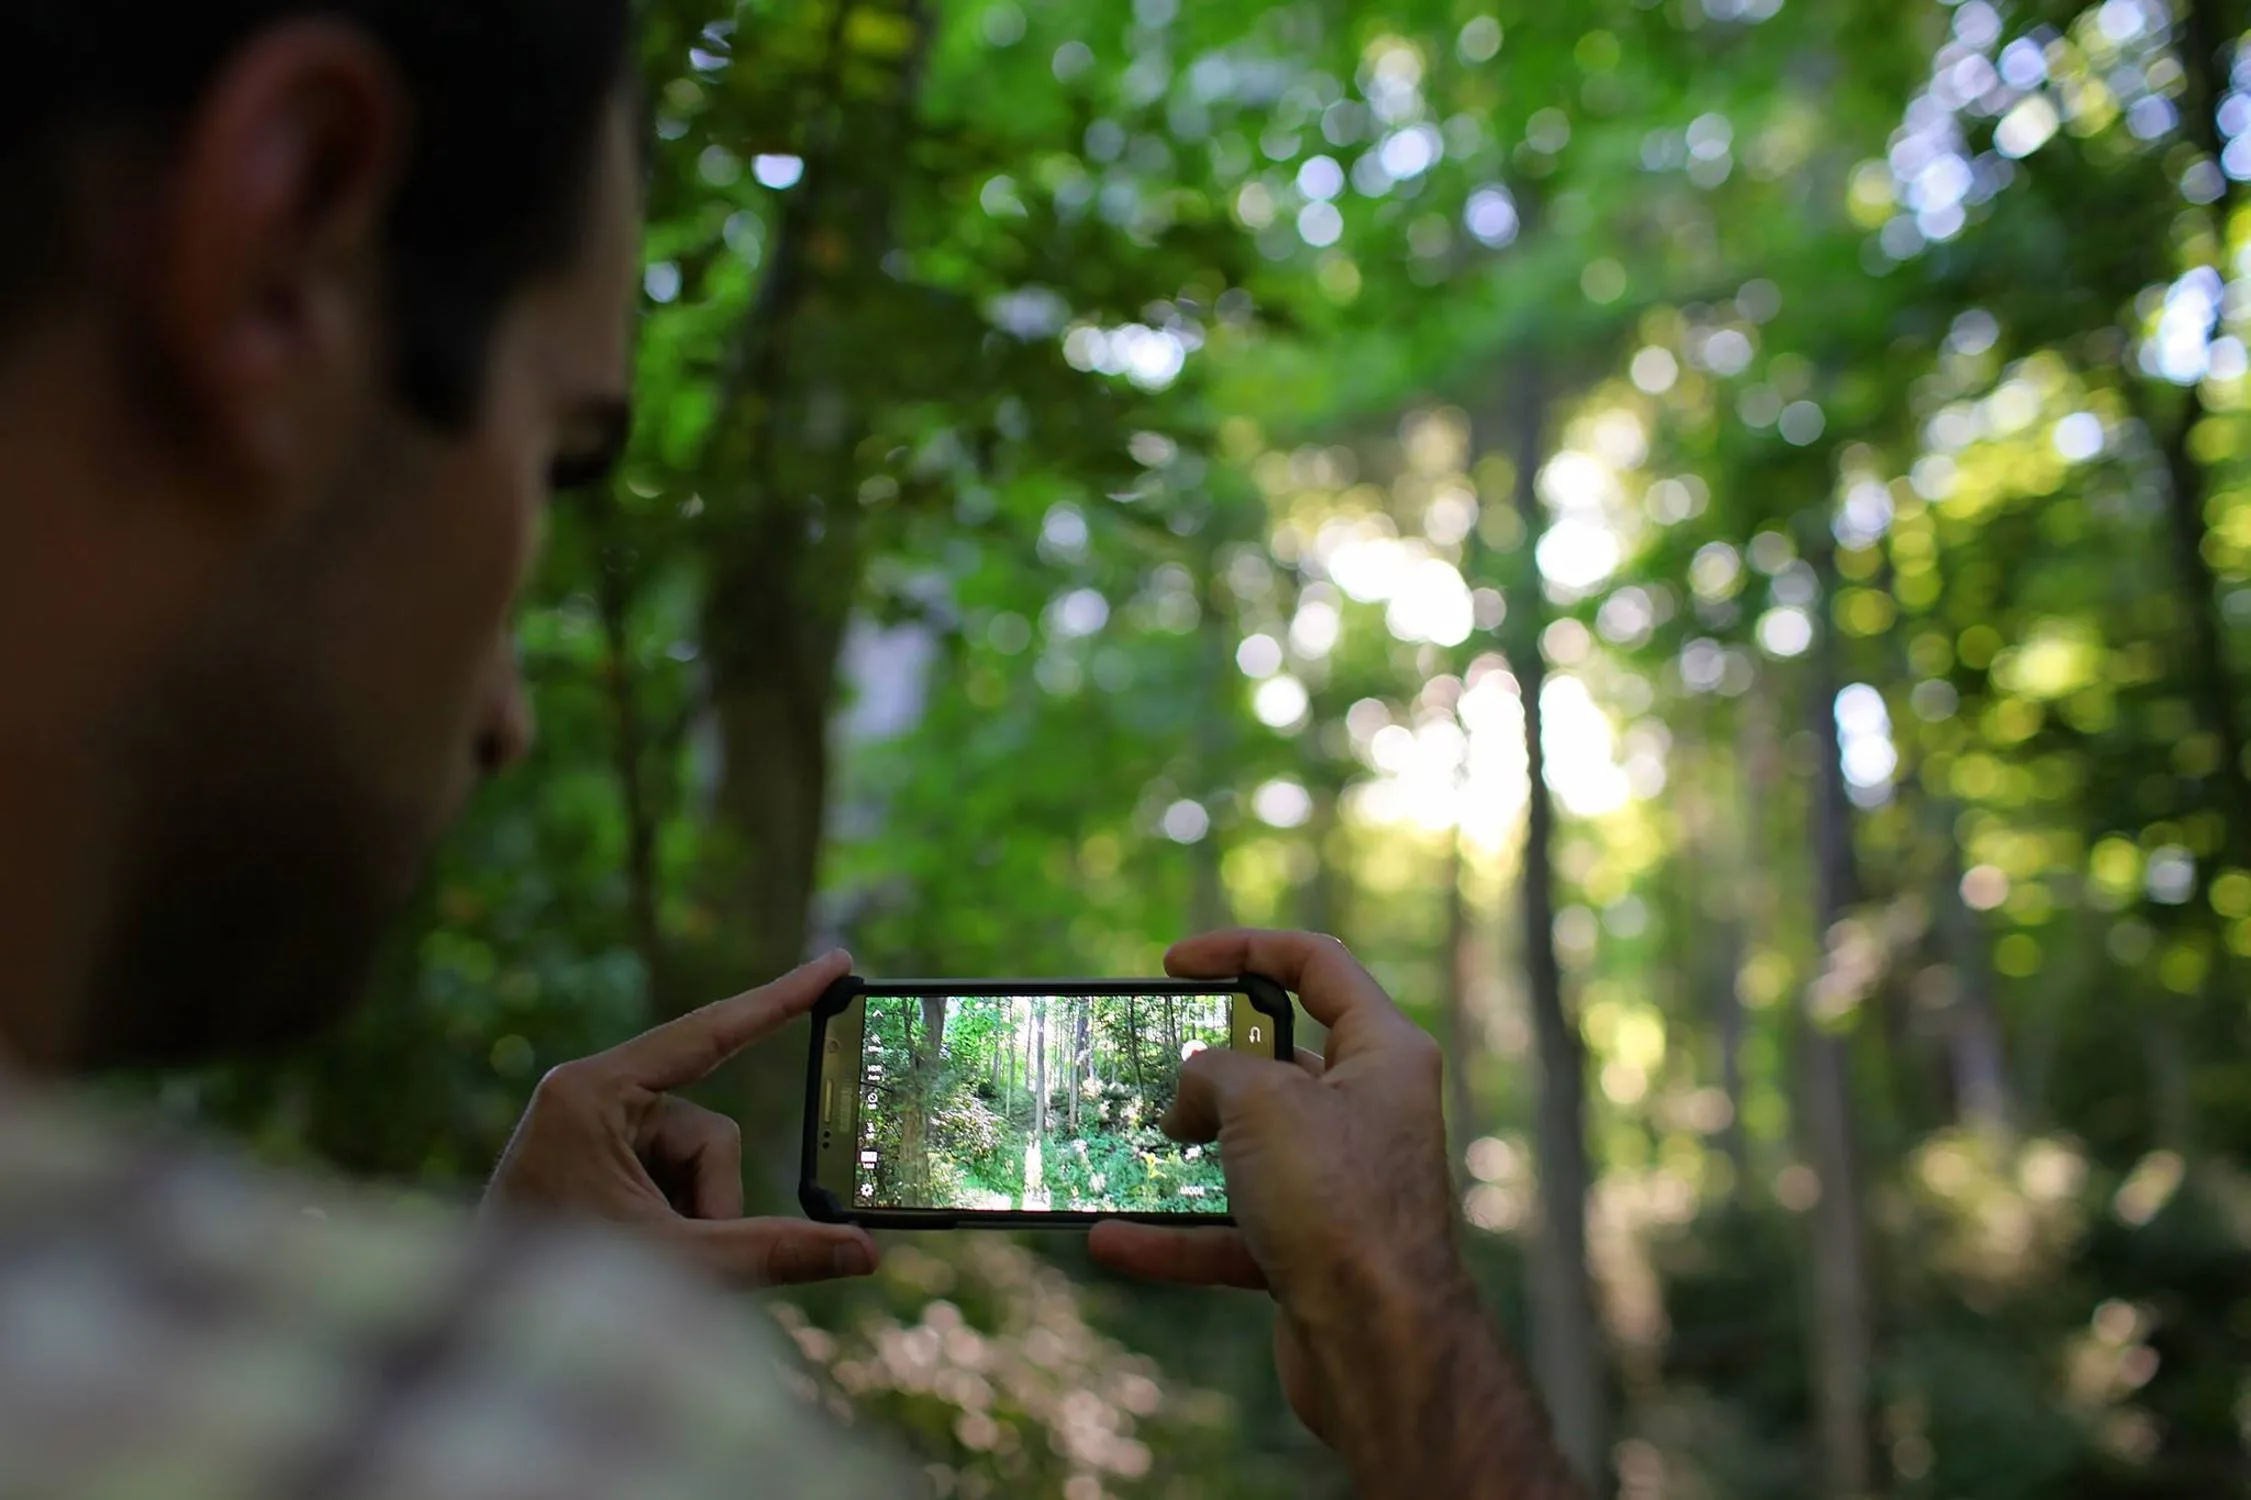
{"points": [[1709, 539]]}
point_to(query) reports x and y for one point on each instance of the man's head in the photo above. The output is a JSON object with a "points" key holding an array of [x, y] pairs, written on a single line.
{"points": [[321, 299]]}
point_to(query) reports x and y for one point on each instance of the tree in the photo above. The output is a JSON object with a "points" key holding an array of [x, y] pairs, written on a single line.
{"points": [[1566, 1342], [1082, 1057], [1755, 494], [1039, 1071], [927, 1049]]}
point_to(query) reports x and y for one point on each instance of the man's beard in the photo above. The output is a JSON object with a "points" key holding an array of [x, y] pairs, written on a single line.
{"points": [[259, 877]]}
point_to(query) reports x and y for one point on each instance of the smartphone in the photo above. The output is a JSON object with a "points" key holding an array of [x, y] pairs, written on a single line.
{"points": [[1018, 1104]]}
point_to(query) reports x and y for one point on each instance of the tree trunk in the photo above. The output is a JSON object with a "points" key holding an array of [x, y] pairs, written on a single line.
{"points": [[773, 661], [907, 1171], [1566, 1340], [1079, 1064], [1207, 905], [1844, 1340], [616, 604], [1461, 1032], [1039, 1070], [780, 481], [2208, 33], [773, 640], [2212, 683], [1726, 1006], [2172, 1116], [1323, 898], [1976, 1056], [1215, 672], [1087, 1039], [1717, 867], [1133, 1050], [929, 1062], [1321, 908]]}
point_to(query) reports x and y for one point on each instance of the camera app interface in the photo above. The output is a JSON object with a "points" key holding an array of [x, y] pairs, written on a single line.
{"points": [[1033, 1103]]}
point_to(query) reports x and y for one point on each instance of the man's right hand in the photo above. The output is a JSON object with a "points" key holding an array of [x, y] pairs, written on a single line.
{"points": [[606, 1138], [1338, 1177]]}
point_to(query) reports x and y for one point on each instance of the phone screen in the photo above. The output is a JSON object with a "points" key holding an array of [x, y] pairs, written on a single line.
{"points": [[1033, 1104]]}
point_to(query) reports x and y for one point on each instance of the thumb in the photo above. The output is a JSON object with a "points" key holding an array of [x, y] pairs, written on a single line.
{"points": [[777, 1252], [1215, 1085]]}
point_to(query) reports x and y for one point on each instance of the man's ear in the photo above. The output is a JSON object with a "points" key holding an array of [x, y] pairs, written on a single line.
{"points": [[268, 253]]}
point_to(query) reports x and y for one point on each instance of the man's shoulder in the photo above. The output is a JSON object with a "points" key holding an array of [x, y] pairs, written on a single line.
{"points": [[170, 1309]]}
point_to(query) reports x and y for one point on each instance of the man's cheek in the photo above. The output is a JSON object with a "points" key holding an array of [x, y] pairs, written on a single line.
{"points": [[525, 522], [455, 607], [497, 556]]}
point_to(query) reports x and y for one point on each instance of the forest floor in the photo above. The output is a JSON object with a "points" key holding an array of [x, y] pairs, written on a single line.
{"points": [[1032, 1195]]}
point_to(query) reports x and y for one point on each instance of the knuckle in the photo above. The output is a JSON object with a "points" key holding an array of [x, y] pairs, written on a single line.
{"points": [[776, 1262], [566, 1085], [1256, 1092], [712, 1045], [1265, 1093], [1419, 1051]]}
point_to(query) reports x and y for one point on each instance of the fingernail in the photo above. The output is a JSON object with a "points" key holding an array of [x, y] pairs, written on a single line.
{"points": [[851, 1259], [834, 954]]}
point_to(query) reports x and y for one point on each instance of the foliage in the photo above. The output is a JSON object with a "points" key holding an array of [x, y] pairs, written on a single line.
{"points": [[986, 1368], [992, 1102], [1113, 468]]}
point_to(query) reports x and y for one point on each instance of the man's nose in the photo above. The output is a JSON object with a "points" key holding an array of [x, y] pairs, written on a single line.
{"points": [[508, 729]]}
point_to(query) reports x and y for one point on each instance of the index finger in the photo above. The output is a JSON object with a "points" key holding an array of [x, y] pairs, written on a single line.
{"points": [[1320, 971], [679, 1052]]}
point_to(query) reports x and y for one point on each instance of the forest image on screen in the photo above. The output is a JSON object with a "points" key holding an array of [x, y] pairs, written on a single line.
{"points": [[1037, 1104]]}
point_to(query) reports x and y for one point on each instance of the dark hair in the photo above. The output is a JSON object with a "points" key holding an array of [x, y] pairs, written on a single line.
{"points": [[507, 98]]}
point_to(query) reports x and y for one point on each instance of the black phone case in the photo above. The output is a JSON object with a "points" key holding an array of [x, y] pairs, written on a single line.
{"points": [[823, 1205]]}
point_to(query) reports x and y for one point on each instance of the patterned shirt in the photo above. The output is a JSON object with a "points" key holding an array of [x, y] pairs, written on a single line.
{"points": [[178, 1325]]}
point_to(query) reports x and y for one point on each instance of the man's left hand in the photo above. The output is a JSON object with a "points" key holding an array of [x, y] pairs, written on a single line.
{"points": [[605, 1138]]}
